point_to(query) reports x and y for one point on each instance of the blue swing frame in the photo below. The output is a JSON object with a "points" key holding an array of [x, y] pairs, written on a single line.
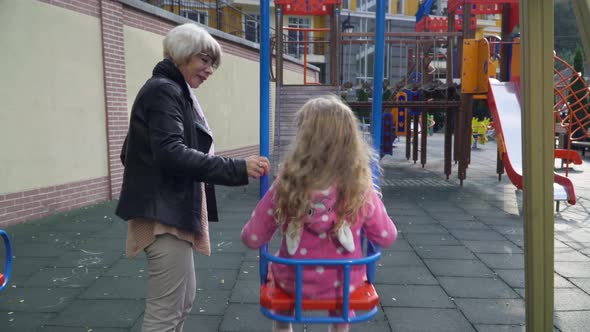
{"points": [[8, 264], [373, 253]]}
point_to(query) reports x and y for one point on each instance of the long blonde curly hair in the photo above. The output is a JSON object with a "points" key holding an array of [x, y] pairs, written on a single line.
{"points": [[328, 151]]}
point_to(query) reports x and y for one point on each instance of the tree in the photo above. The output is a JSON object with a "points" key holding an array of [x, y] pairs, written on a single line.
{"points": [[579, 60], [565, 28], [578, 86], [566, 55]]}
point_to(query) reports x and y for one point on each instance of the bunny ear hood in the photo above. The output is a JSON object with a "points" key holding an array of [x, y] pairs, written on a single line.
{"points": [[345, 237], [320, 219]]}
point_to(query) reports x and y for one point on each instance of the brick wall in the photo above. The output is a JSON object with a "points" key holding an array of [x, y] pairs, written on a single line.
{"points": [[111, 17], [140, 20], [38, 203]]}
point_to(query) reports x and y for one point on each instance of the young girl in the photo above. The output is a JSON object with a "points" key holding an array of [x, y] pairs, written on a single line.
{"points": [[321, 200]]}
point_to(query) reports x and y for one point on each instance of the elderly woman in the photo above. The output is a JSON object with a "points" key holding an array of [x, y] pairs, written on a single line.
{"points": [[170, 169]]}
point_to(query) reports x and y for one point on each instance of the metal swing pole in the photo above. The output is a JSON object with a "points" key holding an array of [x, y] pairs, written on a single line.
{"points": [[264, 87], [264, 107], [378, 82]]}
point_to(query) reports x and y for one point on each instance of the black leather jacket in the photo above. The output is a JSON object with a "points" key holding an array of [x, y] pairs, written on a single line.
{"points": [[165, 156]]}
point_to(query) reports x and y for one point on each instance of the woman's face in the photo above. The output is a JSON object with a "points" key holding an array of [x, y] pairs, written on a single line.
{"points": [[197, 70]]}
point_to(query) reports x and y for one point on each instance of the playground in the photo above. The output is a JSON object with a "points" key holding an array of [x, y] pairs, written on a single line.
{"points": [[487, 68], [459, 262]]}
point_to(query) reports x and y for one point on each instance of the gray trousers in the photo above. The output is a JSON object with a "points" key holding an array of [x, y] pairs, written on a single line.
{"points": [[171, 284]]}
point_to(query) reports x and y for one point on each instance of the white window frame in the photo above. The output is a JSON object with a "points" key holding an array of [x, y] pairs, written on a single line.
{"points": [[202, 15], [302, 22], [251, 17], [401, 7]]}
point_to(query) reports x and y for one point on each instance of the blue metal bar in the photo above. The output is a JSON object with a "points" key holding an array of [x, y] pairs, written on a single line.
{"points": [[378, 81], [298, 292], [292, 261], [346, 295], [372, 249], [264, 87], [264, 105], [263, 267], [360, 317], [8, 263]]}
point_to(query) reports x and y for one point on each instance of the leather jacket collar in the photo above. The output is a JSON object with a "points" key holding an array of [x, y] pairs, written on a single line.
{"points": [[167, 68]]}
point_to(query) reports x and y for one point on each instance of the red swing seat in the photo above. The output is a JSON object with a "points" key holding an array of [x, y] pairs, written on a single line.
{"points": [[273, 298]]}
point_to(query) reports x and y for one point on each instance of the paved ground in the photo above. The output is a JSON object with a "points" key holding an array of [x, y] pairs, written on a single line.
{"points": [[457, 266]]}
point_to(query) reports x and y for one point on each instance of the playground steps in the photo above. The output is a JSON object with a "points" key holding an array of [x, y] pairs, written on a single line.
{"points": [[289, 100]]}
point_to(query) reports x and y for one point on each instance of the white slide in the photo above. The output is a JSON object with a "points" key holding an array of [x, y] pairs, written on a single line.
{"points": [[503, 99]]}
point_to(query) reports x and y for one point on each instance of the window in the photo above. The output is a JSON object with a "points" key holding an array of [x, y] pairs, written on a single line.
{"points": [[400, 7], [196, 15], [295, 46], [367, 5], [361, 5], [365, 55], [345, 4], [252, 27]]}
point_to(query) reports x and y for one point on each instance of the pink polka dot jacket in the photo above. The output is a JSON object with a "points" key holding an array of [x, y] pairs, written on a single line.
{"points": [[319, 239]]}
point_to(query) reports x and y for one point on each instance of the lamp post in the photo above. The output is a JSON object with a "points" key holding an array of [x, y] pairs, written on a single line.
{"points": [[347, 28]]}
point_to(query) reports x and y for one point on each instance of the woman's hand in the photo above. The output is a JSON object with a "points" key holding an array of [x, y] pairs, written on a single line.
{"points": [[257, 166]]}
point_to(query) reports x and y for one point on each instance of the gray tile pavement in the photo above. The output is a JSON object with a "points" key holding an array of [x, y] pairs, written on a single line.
{"points": [[458, 264]]}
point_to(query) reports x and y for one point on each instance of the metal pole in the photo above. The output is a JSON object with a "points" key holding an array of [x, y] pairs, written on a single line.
{"points": [[378, 80], [264, 87], [504, 53], [341, 63], [335, 40], [467, 106], [304, 57], [536, 18], [219, 15], [450, 113], [341, 25], [280, 45]]}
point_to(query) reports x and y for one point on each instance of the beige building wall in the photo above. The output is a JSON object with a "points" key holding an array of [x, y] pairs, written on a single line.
{"points": [[290, 77], [229, 98], [143, 49], [52, 117]]}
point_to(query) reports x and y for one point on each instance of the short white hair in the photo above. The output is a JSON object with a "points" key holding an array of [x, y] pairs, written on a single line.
{"points": [[186, 40]]}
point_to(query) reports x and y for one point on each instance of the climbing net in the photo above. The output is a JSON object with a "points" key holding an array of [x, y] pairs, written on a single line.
{"points": [[572, 100]]}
